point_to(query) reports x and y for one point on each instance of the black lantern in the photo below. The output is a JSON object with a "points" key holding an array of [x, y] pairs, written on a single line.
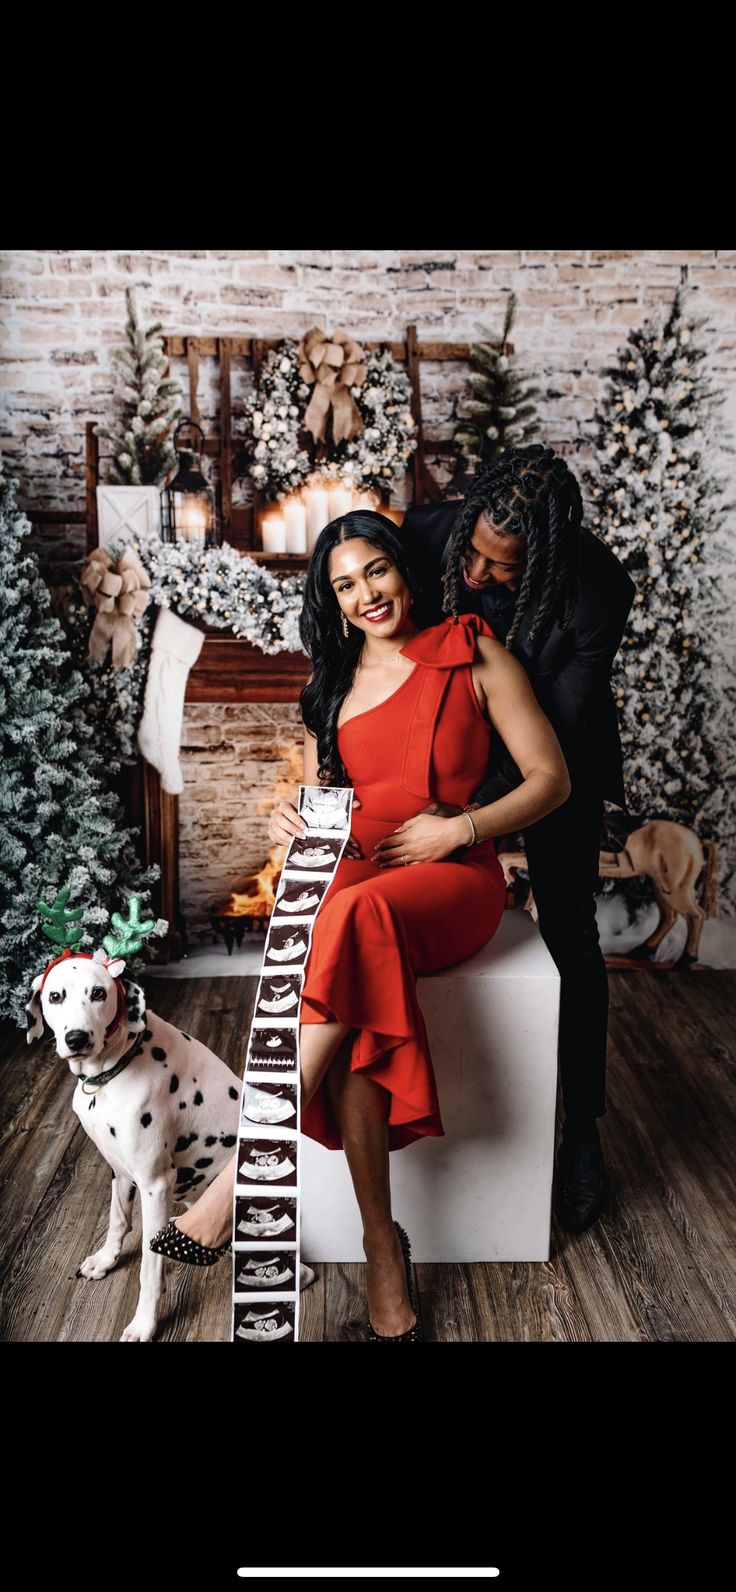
{"points": [[188, 503]]}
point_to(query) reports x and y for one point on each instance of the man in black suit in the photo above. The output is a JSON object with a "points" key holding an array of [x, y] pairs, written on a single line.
{"points": [[515, 552]]}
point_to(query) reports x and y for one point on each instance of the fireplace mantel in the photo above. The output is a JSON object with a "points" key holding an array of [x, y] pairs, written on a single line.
{"points": [[228, 670]]}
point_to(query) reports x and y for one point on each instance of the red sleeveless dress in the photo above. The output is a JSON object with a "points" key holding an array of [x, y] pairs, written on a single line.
{"points": [[379, 927]]}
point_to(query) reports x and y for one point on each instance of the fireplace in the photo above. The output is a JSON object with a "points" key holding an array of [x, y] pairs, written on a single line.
{"points": [[248, 909]]}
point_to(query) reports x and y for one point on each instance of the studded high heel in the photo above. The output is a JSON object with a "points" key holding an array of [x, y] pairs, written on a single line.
{"points": [[413, 1334], [176, 1245]]}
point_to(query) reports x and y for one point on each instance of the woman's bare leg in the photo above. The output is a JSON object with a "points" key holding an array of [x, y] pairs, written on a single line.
{"points": [[361, 1111], [210, 1220]]}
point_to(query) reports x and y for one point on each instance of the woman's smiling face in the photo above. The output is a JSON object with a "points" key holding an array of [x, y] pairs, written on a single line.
{"points": [[369, 588]]}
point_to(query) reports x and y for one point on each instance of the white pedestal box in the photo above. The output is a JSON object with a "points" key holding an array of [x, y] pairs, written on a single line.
{"points": [[126, 511], [484, 1191]]}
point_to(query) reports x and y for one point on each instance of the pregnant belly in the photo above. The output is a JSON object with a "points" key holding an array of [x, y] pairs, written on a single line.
{"points": [[367, 831]]}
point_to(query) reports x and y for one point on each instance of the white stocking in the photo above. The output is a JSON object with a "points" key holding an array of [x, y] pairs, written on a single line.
{"points": [[175, 647]]}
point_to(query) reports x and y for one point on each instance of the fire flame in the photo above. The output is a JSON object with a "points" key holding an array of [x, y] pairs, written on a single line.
{"points": [[259, 900]]}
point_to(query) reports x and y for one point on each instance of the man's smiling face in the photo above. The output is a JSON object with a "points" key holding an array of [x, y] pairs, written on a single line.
{"points": [[491, 559]]}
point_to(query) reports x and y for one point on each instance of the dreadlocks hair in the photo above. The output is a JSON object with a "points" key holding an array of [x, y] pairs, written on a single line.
{"points": [[530, 493], [334, 655]]}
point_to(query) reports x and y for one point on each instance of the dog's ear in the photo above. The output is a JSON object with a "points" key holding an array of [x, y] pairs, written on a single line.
{"points": [[135, 1006], [34, 1014]]}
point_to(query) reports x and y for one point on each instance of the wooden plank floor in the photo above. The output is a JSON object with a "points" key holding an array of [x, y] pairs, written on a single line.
{"points": [[659, 1267]]}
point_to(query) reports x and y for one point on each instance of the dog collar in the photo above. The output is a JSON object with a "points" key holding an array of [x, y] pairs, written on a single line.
{"points": [[106, 1077], [86, 956]]}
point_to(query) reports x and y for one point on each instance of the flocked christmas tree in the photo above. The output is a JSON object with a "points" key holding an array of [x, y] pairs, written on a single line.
{"points": [[658, 501], [59, 826], [147, 406], [497, 410]]}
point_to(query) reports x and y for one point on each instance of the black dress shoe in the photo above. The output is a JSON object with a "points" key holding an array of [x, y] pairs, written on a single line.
{"points": [[176, 1245], [583, 1186]]}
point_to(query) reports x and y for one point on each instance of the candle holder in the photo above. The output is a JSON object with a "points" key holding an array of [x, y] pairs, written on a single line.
{"points": [[188, 503]]}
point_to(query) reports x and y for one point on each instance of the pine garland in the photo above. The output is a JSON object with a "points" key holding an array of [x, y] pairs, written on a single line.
{"points": [[221, 587], [659, 503]]}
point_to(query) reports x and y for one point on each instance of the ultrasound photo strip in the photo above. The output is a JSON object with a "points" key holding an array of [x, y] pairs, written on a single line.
{"points": [[267, 1199]]}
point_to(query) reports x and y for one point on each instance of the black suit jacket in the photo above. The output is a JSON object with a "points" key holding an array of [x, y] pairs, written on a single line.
{"points": [[570, 671]]}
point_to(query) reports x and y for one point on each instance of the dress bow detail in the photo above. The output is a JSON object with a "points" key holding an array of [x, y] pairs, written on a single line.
{"points": [[448, 645], [440, 649]]}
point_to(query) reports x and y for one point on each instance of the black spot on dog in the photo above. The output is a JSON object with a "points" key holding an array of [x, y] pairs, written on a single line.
{"points": [[198, 1098], [211, 1139], [147, 1033], [93, 1102], [146, 1119], [194, 1080], [133, 1014], [174, 1084], [112, 1130], [204, 1160], [187, 1036], [228, 1139], [185, 1174], [158, 1054], [131, 1035], [182, 1105], [233, 1093], [113, 1174], [199, 1179], [184, 1142], [131, 1191]]}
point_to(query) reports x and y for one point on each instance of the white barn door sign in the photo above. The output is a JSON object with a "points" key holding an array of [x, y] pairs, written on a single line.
{"points": [[267, 1181]]}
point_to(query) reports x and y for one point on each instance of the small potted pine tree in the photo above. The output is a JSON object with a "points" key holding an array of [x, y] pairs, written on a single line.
{"points": [[146, 406]]}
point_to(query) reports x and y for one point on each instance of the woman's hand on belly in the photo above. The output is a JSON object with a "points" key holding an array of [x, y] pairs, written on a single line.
{"points": [[426, 838]]}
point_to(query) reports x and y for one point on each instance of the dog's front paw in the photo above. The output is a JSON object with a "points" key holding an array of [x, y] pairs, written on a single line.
{"points": [[306, 1275], [140, 1330], [97, 1265]]}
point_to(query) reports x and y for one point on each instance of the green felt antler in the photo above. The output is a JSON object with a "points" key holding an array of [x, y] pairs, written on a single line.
{"points": [[131, 934], [62, 927]]}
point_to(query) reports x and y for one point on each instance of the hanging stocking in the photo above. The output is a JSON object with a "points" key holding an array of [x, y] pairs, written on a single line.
{"points": [[175, 647]]}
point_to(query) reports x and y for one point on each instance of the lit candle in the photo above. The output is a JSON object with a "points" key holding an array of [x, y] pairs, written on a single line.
{"points": [[295, 518], [365, 500], [192, 519], [273, 532], [318, 513], [341, 501]]}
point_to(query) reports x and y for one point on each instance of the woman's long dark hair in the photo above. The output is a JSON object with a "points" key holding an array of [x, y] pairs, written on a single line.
{"points": [[530, 493], [334, 655]]}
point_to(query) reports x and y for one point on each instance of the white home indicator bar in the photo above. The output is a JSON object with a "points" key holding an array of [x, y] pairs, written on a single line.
{"points": [[291, 1572]]}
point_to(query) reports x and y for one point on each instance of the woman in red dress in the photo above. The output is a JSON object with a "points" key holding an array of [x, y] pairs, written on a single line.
{"points": [[405, 716]]}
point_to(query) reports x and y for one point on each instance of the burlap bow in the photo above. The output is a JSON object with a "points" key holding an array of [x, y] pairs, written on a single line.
{"points": [[120, 592], [334, 365]]}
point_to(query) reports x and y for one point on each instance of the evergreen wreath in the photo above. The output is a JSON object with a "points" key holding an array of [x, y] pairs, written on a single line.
{"points": [[284, 455]]}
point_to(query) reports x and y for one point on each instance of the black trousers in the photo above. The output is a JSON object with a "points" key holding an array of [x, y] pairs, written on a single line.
{"points": [[562, 855]]}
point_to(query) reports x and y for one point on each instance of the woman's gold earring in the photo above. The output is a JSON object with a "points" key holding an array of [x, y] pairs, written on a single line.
{"points": [[345, 627]]}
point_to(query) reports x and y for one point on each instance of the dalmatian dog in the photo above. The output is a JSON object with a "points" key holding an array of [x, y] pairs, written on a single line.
{"points": [[161, 1108]]}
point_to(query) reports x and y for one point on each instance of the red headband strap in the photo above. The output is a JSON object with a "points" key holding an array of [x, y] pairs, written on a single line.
{"points": [[87, 957]]}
